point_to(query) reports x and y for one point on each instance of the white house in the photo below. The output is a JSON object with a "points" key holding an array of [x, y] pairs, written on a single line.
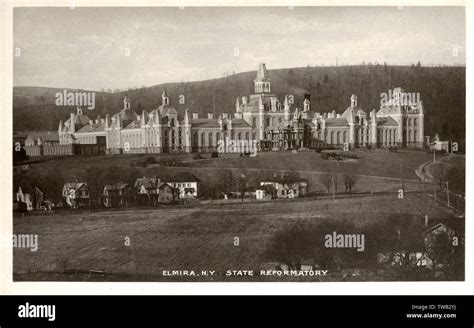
{"points": [[287, 187], [187, 183]]}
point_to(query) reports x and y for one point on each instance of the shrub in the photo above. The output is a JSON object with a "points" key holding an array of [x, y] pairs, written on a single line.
{"points": [[333, 156]]}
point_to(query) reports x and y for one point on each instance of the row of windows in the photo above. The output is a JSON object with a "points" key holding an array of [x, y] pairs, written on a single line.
{"points": [[210, 139], [183, 185]]}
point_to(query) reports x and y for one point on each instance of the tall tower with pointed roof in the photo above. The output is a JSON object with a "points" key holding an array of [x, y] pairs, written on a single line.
{"points": [[165, 100], [262, 82]]}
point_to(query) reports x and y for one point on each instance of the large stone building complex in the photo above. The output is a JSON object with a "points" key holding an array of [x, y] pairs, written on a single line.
{"points": [[260, 117]]}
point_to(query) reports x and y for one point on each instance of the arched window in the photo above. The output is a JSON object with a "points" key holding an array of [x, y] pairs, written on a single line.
{"points": [[211, 142]]}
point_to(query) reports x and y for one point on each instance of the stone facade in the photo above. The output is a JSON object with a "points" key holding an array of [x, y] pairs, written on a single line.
{"points": [[261, 117]]}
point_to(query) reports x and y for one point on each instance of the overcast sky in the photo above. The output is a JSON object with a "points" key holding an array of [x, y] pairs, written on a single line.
{"points": [[87, 48]]}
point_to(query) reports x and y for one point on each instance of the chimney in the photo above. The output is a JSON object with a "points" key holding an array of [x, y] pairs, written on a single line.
{"points": [[73, 123], [426, 220], [244, 100], [195, 116], [210, 116]]}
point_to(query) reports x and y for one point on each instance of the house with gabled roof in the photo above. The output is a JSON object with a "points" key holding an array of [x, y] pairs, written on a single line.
{"points": [[285, 186], [76, 194], [115, 195], [187, 184]]}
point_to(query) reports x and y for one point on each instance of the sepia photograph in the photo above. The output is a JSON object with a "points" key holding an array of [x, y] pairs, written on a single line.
{"points": [[239, 144]]}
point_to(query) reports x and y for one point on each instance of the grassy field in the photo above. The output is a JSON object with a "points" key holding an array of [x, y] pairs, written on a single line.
{"points": [[193, 238], [379, 171]]}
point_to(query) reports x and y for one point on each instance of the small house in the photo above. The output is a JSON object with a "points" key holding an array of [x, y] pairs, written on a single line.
{"points": [[115, 195], [76, 194]]}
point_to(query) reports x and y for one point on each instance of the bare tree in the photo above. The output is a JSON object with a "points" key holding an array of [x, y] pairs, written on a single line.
{"points": [[326, 180], [349, 180], [175, 193]]}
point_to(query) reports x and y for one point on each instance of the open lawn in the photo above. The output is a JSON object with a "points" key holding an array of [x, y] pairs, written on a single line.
{"points": [[377, 171], [196, 238]]}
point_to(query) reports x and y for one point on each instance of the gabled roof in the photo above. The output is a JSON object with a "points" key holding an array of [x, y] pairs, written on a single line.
{"points": [[167, 110], [239, 123], [116, 186], [386, 121], [340, 121], [205, 123], [132, 125], [96, 127], [75, 185], [184, 177], [164, 185], [44, 135]]}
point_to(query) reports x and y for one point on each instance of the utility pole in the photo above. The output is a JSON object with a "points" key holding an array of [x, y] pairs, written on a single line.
{"points": [[434, 156], [242, 196], [333, 195], [447, 191], [401, 177]]}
